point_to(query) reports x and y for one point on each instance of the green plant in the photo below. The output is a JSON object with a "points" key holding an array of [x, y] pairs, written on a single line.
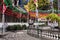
{"points": [[54, 17], [42, 25], [19, 27], [24, 27], [16, 27], [23, 20], [8, 28]]}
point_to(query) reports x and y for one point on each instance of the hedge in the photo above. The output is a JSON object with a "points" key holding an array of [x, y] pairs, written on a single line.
{"points": [[16, 27]]}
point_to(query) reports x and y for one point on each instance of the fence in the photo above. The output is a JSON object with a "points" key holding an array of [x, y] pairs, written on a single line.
{"points": [[48, 34], [47, 11]]}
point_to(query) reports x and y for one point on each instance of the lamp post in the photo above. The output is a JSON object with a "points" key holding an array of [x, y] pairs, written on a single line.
{"points": [[3, 18], [58, 6], [52, 6], [36, 3]]}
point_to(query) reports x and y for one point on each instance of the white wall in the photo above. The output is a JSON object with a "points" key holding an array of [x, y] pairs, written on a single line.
{"points": [[21, 24], [15, 24]]}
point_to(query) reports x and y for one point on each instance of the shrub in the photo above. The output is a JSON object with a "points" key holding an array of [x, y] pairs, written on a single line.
{"points": [[54, 17], [42, 25], [19, 27], [16, 27], [8, 28], [24, 27]]}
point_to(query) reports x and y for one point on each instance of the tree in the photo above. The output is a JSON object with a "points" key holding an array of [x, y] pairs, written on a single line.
{"points": [[42, 5], [55, 4], [54, 17], [30, 6]]}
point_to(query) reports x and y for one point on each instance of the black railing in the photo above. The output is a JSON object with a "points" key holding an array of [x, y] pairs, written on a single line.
{"points": [[47, 34]]}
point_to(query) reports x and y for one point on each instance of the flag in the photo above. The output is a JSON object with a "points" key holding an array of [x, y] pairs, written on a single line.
{"points": [[7, 2], [4, 8], [36, 3], [27, 1]]}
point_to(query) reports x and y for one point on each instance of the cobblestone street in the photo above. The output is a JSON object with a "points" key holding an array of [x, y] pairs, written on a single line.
{"points": [[22, 35]]}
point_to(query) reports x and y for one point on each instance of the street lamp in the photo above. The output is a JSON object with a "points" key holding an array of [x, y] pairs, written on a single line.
{"points": [[52, 6]]}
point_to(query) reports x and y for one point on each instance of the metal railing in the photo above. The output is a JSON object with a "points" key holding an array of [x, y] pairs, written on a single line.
{"points": [[47, 11], [47, 34]]}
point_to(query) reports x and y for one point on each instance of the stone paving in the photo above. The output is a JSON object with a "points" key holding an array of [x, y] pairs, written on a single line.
{"points": [[21, 35]]}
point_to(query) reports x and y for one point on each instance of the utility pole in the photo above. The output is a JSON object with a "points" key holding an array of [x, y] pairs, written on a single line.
{"points": [[52, 7]]}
